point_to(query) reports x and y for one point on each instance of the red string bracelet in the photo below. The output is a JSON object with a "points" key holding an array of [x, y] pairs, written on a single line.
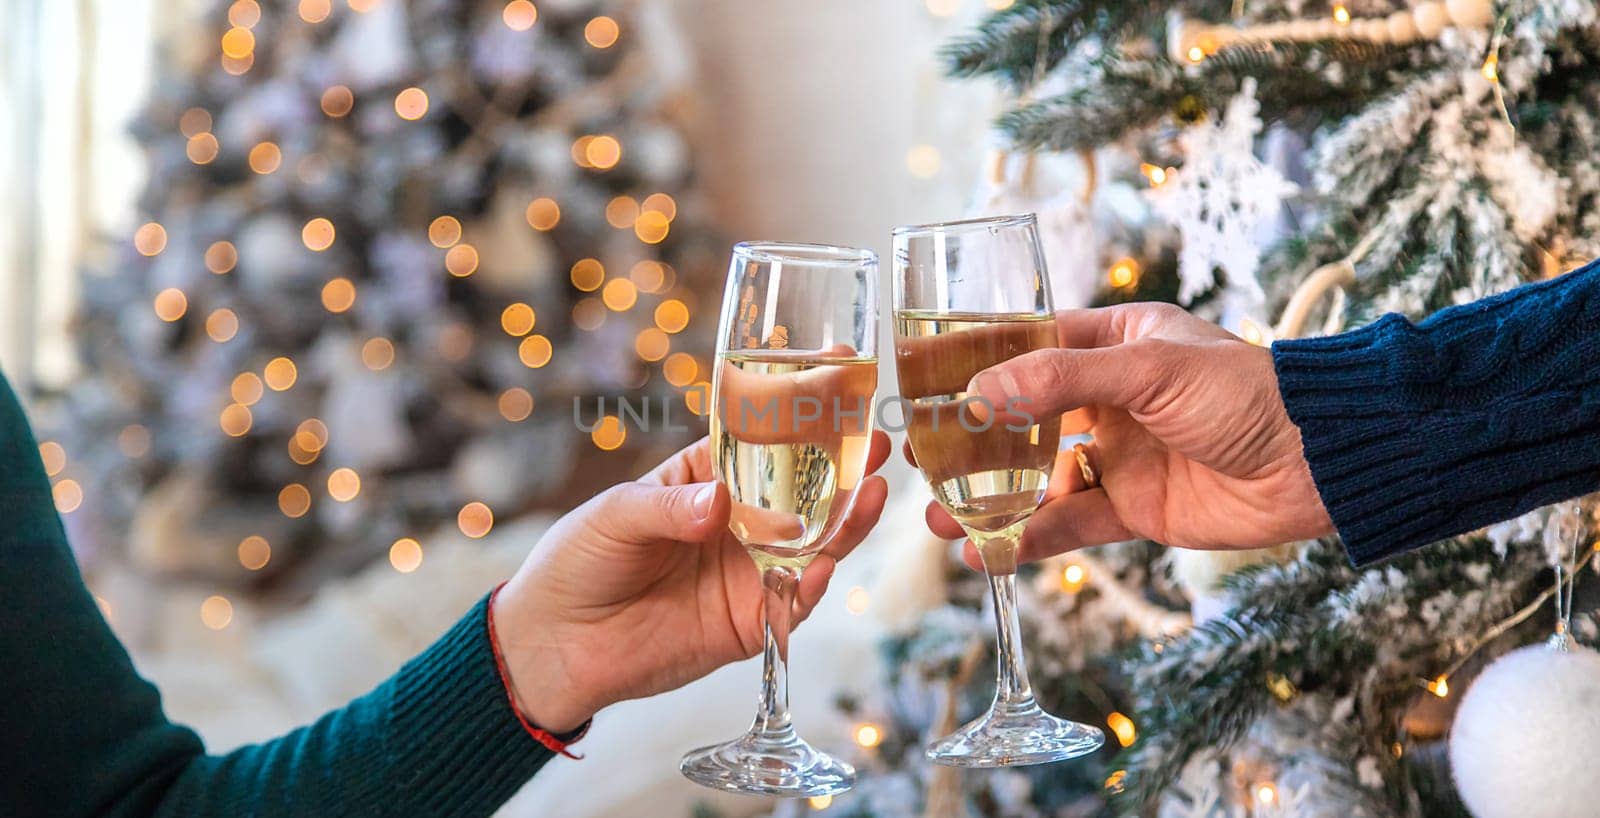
{"points": [[555, 745]]}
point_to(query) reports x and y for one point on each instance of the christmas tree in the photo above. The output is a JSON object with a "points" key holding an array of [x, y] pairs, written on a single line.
{"points": [[388, 245], [1442, 153]]}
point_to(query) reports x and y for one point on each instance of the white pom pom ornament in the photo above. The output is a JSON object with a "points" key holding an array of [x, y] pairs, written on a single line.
{"points": [[1522, 742]]}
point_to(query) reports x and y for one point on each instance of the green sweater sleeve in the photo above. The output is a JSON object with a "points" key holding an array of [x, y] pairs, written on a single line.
{"points": [[81, 734]]}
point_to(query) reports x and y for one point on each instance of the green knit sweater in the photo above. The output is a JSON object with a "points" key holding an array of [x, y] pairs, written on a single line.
{"points": [[81, 734]]}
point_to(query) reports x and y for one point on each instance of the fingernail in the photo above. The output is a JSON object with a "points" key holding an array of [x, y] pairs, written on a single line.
{"points": [[703, 500]]}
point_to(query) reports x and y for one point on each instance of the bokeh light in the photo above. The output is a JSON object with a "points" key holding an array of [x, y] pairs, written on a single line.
{"points": [[663, 204], [475, 519], [444, 231], [652, 344], [603, 152], [516, 404], [535, 351], [194, 122], [338, 295], [652, 227], [318, 234], [602, 32], [236, 420], [171, 304], [238, 43], [588, 314], [619, 294], [315, 11], [216, 612], [246, 388], [134, 440], [649, 275], [222, 324], [411, 104], [588, 274], [697, 398], [680, 369], [405, 555], [377, 354], [150, 239], [461, 260], [543, 213], [254, 552], [517, 319], [672, 315], [337, 101], [68, 496], [265, 158], [221, 257], [344, 484], [294, 500], [609, 434], [520, 15], [621, 212], [53, 456], [280, 374]]}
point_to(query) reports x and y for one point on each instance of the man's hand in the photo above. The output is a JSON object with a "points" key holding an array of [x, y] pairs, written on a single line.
{"points": [[643, 589], [1191, 439]]}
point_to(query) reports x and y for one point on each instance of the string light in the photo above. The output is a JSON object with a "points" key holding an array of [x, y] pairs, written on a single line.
{"points": [[543, 214], [602, 32], [405, 555], [475, 520], [444, 231], [1253, 332], [171, 304], [53, 456], [311, 434], [338, 295], [344, 484], [922, 161], [202, 149], [134, 440], [588, 314], [857, 600], [1491, 67], [193, 122], [609, 434], [68, 496], [588, 274], [652, 344], [299, 453], [221, 257], [265, 158], [820, 802], [868, 735], [1196, 54], [516, 404], [622, 212], [663, 204], [1124, 273], [648, 275], [1341, 15], [337, 101], [698, 398], [411, 104], [535, 351], [1122, 727], [235, 420], [520, 15], [377, 354], [150, 239], [1267, 794], [318, 234], [280, 374], [222, 325], [238, 43], [216, 612], [244, 13], [315, 11], [517, 319], [1440, 687], [603, 152], [294, 500], [1073, 578], [619, 294], [680, 369], [246, 388], [461, 260], [652, 227], [1155, 173], [254, 552]]}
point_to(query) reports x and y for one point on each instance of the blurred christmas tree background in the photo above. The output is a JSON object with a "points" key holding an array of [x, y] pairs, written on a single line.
{"points": [[386, 246]]}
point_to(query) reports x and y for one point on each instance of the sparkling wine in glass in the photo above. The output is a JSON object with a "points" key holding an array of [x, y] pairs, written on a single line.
{"points": [[791, 425], [968, 295]]}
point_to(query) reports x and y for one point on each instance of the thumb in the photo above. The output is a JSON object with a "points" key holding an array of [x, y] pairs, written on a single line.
{"points": [[641, 513], [1049, 382]]}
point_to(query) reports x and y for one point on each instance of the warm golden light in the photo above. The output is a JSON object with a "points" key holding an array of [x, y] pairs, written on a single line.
{"points": [[280, 374], [820, 802], [1491, 68], [535, 351], [1341, 15], [411, 104], [621, 212], [344, 484], [588, 274], [238, 43], [475, 519], [516, 404], [221, 257], [648, 275], [652, 227], [517, 319], [363, 6], [619, 294], [299, 453], [1440, 687], [461, 260], [194, 122], [698, 398], [602, 32], [150, 239], [663, 204], [405, 555], [254, 552], [318, 234], [1114, 781], [444, 231], [652, 344], [246, 388], [202, 149], [337, 101], [608, 434], [222, 325], [543, 213], [171, 304], [68, 496], [857, 600], [236, 420], [923, 161], [244, 13], [53, 456], [1155, 173], [134, 440], [1124, 273], [588, 314], [265, 158], [680, 369], [294, 501], [603, 152], [520, 15], [338, 295], [580, 151], [868, 735], [1122, 727], [672, 315], [377, 354], [216, 612], [1196, 53], [315, 11], [1073, 578], [1267, 794], [311, 434]]}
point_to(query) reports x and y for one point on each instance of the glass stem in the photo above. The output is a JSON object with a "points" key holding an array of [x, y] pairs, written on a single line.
{"points": [[1012, 691], [778, 584]]}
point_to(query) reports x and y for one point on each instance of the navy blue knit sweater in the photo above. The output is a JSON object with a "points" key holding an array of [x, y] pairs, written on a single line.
{"points": [[1418, 432]]}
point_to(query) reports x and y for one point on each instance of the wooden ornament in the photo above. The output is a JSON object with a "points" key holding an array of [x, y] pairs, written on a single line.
{"points": [[1431, 19], [1402, 28], [1469, 13]]}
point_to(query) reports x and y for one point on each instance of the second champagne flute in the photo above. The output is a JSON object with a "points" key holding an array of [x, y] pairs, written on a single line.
{"points": [[968, 295], [791, 428]]}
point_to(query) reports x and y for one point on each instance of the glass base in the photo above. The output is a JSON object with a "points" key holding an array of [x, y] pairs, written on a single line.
{"points": [[775, 763], [1015, 735]]}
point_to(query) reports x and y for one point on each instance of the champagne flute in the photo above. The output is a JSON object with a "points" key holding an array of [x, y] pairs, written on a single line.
{"points": [[968, 295], [791, 426]]}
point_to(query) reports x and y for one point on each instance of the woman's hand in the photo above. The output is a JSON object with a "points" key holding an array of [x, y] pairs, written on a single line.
{"points": [[643, 589]]}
